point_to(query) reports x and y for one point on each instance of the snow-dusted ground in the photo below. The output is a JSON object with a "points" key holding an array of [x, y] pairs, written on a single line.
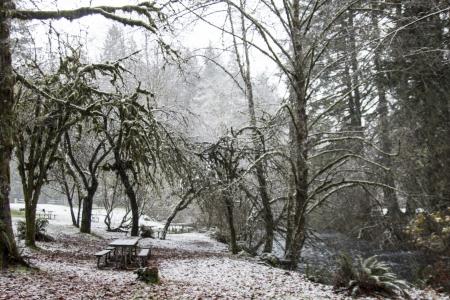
{"points": [[62, 215], [191, 266], [190, 242], [239, 279]]}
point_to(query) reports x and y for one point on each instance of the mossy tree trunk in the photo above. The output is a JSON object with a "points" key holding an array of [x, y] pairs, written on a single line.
{"points": [[36, 148], [8, 249], [299, 153], [30, 220], [129, 190]]}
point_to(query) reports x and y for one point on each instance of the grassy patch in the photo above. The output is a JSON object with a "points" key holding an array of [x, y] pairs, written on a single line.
{"points": [[18, 214]]}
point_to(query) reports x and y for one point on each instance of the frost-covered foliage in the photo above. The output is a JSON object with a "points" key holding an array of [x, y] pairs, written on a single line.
{"points": [[368, 277], [431, 231]]}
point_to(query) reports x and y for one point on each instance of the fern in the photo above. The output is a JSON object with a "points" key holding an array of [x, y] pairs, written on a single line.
{"points": [[368, 277]]}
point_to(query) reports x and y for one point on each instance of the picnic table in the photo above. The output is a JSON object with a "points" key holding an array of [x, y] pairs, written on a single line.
{"points": [[95, 218], [46, 215], [125, 251]]}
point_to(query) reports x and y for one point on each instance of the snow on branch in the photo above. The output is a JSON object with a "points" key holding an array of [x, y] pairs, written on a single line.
{"points": [[145, 9], [337, 186], [346, 138]]}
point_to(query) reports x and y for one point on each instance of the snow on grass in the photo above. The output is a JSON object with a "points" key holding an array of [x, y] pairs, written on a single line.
{"points": [[190, 242], [63, 217]]}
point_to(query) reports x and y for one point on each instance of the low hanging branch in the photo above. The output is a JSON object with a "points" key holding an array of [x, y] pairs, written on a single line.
{"points": [[145, 9], [147, 16], [344, 158], [337, 186]]}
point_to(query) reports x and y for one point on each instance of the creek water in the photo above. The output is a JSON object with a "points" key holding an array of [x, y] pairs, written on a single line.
{"points": [[321, 252]]}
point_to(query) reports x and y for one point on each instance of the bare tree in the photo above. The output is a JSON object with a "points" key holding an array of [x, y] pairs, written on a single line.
{"points": [[87, 171], [257, 137]]}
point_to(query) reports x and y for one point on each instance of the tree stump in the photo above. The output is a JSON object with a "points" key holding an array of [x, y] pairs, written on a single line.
{"points": [[148, 275]]}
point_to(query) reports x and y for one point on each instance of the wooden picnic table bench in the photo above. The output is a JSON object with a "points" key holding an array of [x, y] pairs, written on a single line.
{"points": [[47, 215], [143, 256], [125, 251], [103, 254]]}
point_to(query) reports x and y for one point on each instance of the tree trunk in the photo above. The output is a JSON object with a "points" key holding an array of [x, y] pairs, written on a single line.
{"points": [[8, 249], [167, 225], [356, 111], [185, 201], [299, 142], [88, 202], [134, 210], [86, 216], [244, 67], [389, 196], [30, 221], [268, 216], [72, 212], [230, 220], [291, 191], [168, 222], [130, 194], [80, 203], [69, 193], [30, 194]]}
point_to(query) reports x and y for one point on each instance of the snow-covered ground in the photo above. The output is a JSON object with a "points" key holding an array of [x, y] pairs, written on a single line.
{"points": [[62, 215], [191, 266], [226, 277]]}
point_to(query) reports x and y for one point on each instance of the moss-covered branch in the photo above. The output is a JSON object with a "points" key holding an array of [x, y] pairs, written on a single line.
{"points": [[145, 9]]}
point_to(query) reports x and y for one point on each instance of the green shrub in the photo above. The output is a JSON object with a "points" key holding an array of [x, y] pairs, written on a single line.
{"points": [[219, 236], [40, 233], [345, 272], [431, 231], [368, 277], [146, 232], [318, 274]]}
